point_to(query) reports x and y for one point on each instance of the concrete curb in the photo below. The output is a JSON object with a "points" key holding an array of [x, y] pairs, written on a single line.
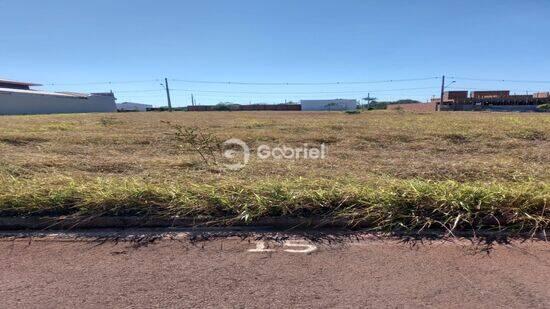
{"points": [[68, 223], [273, 223]]}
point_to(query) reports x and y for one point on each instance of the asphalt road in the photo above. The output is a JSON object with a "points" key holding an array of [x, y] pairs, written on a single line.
{"points": [[55, 272]]}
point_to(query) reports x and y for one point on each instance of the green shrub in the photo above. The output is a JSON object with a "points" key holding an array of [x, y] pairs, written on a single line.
{"points": [[544, 107]]}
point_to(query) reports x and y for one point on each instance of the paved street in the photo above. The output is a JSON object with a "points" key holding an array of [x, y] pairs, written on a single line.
{"points": [[228, 271]]}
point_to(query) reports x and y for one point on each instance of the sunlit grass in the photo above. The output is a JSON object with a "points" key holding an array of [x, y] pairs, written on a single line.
{"points": [[385, 204], [393, 170]]}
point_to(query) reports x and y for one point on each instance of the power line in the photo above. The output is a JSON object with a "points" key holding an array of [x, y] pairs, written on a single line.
{"points": [[501, 80], [308, 92], [157, 95], [102, 83], [240, 83], [277, 93], [489, 89], [301, 83], [135, 91], [294, 83]]}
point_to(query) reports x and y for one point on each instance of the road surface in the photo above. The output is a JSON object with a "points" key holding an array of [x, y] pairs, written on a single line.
{"points": [[221, 272]]}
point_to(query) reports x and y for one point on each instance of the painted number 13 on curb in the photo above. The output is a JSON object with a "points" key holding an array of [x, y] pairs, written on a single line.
{"points": [[292, 247]]}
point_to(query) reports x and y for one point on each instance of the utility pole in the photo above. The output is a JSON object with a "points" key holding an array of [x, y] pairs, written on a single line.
{"points": [[168, 94], [438, 107], [369, 99]]}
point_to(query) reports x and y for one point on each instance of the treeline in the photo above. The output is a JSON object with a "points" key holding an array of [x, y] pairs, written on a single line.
{"points": [[384, 104]]}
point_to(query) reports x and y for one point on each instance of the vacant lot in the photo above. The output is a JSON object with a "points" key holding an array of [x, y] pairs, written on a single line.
{"points": [[392, 168]]}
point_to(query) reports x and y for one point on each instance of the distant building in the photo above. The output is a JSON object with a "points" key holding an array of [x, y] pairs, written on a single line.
{"points": [[132, 107], [521, 96], [328, 105], [497, 100], [490, 94], [17, 98], [454, 95]]}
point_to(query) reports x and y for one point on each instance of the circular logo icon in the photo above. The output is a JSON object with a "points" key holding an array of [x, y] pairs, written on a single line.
{"points": [[232, 148]]}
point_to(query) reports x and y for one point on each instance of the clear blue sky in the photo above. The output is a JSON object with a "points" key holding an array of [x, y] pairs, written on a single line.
{"points": [[67, 42]]}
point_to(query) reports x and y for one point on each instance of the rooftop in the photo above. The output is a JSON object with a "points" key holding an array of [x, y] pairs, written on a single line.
{"points": [[59, 94], [14, 82]]}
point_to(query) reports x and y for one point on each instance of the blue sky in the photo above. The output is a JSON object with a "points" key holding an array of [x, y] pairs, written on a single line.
{"points": [[83, 42]]}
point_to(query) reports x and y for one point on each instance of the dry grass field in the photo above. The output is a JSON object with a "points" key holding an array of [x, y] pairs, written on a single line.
{"points": [[392, 168]]}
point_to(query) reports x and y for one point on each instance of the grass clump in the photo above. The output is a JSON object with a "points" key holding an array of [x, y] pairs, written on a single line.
{"points": [[353, 112], [109, 121], [58, 126], [388, 205], [529, 134], [21, 140]]}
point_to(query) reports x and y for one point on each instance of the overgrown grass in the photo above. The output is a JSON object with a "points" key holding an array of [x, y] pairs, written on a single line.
{"points": [[386, 204], [392, 170]]}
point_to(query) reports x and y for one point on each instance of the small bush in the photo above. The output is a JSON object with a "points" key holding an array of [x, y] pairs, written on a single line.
{"points": [[193, 139], [544, 107], [353, 112]]}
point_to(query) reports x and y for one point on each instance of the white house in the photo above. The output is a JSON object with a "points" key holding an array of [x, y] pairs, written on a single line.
{"points": [[17, 98], [328, 105], [132, 107]]}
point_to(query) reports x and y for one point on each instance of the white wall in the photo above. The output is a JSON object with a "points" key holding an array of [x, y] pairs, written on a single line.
{"points": [[328, 105], [13, 103]]}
